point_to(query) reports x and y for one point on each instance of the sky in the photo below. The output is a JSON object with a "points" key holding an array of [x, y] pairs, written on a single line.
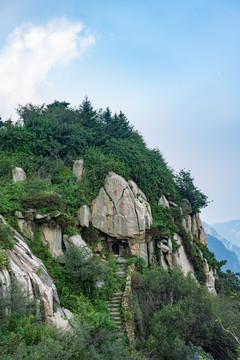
{"points": [[171, 66]]}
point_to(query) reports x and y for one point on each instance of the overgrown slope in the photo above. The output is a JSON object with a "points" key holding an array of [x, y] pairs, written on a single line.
{"points": [[45, 142]]}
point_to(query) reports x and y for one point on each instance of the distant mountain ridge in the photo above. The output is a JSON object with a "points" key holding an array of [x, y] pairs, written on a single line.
{"points": [[229, 230], [228, 244], [223, 249]]}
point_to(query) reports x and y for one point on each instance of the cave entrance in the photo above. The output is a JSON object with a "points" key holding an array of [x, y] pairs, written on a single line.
{"points": [[115, 248]]}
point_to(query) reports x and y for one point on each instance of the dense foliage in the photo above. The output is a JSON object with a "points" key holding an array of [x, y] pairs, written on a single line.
{"points": [[47, 139], [45, 142], [188, 190], [6, 242], [173, 314], [24, 336]]}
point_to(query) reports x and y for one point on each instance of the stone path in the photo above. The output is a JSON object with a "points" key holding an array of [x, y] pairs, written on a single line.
{"points": [[115, 303]]}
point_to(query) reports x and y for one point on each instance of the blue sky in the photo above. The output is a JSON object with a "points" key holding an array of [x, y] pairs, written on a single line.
{"points": [[171, 66]]}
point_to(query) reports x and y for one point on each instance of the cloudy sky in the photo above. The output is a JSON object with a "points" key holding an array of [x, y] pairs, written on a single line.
{"points": [[173, 67]]}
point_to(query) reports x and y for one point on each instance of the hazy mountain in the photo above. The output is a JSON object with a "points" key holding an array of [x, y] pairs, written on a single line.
{"points": [[229, 230], [223, 249], [228, 244]]}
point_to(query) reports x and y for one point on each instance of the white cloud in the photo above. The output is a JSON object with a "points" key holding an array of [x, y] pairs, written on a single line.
{"points": [[31, 52]]}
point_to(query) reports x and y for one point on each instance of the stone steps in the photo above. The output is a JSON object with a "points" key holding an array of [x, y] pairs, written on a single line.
{"points": [[114, 305]]}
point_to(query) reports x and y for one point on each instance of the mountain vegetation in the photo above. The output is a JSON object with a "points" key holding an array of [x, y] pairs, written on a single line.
{"points": [[175, 317]]}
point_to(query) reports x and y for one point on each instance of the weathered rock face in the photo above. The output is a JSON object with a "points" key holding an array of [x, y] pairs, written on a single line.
{"points": [[186, 207], [84, 215], [163, 201], [210, 278], [78, 242], [198, 230], [180, 259], [31, 276], [5, 286], [78, 169], [27, 228], [52, 235], [18, 174], [121, 209]]}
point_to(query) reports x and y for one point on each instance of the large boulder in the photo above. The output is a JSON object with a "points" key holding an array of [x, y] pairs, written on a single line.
{"points": [[210, 278], [163, 201], [51, 234], [78, 242], [84, 215], [30, 274], [180, 258], [78, 169], [186, 206], [5, 288], [197, 229], [18, 174], [121, 209]]}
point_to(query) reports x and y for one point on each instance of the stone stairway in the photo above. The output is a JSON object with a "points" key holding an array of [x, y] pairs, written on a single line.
{"points": [[115, 303]]}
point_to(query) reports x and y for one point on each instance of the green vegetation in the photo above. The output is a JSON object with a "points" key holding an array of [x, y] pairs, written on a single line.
{"points": [[175, 316], [46, 140], [188, 190], [163, 220], [24, 336], [6, 242]]}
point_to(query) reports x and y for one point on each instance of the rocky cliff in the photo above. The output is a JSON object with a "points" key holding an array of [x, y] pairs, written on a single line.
{"points": [[29, 274], [123, 217]]}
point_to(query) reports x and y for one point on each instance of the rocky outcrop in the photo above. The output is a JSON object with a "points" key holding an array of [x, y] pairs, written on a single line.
{"points": [[5, 287], [18, 174], [78, 242], [121, 209], [27, 228], [30, 275], [163, 201], [51, 234], [84, 215], [78, 169], [179, 258], [210, 278]]}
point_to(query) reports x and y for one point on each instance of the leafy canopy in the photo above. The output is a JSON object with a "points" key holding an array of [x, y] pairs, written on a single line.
{"points": [[188, 190]]}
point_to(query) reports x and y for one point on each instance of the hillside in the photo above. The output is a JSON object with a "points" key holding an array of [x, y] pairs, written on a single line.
{"points": [[93, 225]]}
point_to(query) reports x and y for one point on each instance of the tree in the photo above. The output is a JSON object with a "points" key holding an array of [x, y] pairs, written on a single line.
{"points": [[188, 190], [1, 122], [87, 114]]}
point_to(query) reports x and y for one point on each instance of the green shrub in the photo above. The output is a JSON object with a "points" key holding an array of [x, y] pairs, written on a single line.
{"points": [[6, 236], [47, 201], [111, 279], [163, 220], [4, 261], [140, 263], [172, 311], [6, 242], [188, 190], [190, 352], [43, 253], [82, 270], [34, 340]]}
